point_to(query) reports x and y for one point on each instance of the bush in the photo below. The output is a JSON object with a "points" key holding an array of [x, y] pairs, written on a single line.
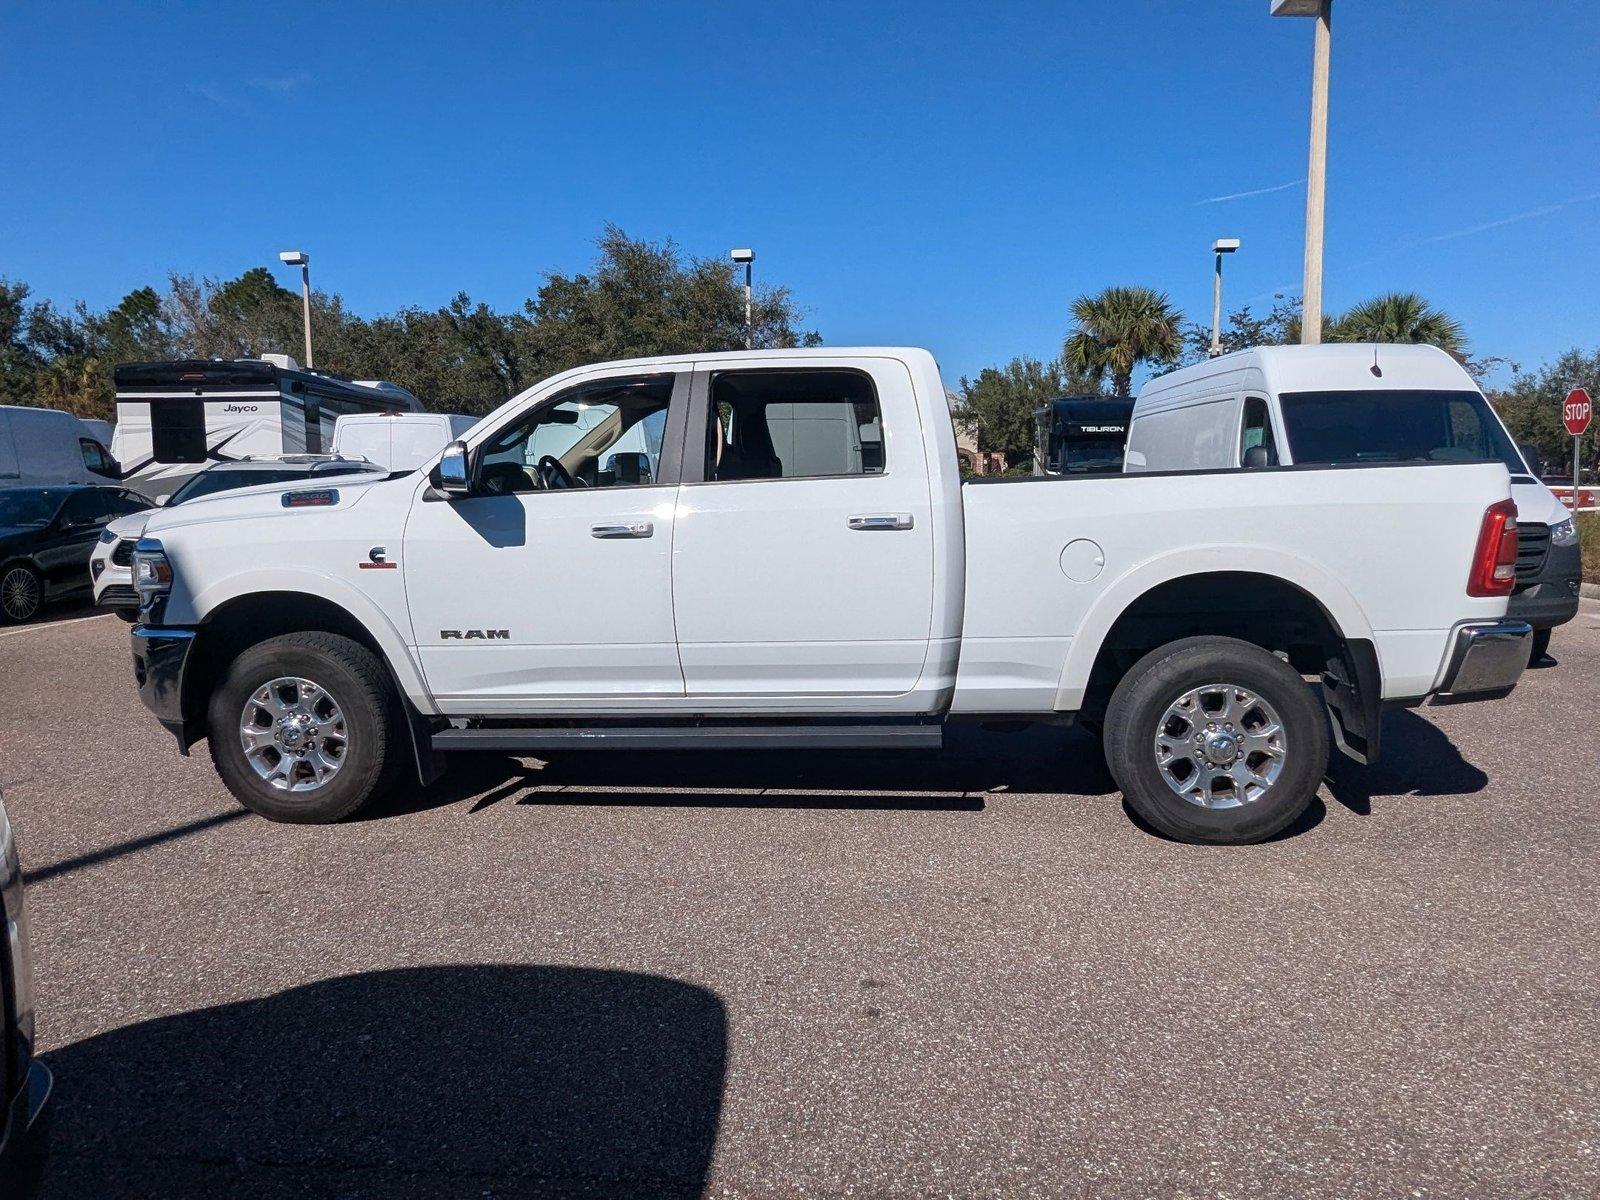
{"points": [[1589, 536]]}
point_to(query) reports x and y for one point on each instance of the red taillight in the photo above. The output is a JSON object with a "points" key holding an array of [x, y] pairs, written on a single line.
{"points": [[1494, 563]]}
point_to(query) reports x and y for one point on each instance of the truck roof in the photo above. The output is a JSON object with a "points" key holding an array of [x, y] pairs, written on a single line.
{"points": [[1344, 366]]}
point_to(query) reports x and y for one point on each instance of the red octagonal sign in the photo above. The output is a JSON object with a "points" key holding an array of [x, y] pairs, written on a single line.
{"points": [[1576, 411]]}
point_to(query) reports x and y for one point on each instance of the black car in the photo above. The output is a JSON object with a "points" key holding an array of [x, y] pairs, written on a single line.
{"points": [[46, 537]]}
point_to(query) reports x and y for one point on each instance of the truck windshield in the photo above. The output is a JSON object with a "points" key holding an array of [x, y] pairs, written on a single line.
{"points": [[1394, 426], [1086, 453]]}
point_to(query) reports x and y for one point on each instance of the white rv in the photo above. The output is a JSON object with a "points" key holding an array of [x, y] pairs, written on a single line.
{"points": [[175, 418], [46, 446], [398, 441]]}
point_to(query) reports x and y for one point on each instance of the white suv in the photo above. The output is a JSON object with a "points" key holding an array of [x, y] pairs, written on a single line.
{"points": [[110, 566]]}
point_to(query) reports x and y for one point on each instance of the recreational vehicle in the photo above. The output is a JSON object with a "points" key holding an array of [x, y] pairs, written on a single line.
{"points": [[175, 418]]}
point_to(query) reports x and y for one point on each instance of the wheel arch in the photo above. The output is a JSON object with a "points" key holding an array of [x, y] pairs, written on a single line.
{"points": [[1278, 602]]}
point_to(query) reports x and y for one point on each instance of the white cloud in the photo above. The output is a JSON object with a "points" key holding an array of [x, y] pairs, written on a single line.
{"points": [[1266, 191]]}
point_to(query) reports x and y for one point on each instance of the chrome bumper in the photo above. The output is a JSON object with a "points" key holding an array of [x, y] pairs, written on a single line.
{"points": [[159, 657], [1486, 661]]}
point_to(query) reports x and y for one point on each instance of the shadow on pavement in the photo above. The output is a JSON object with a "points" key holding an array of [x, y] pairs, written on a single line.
{"points": [[506, 1081], [1418, 759], [974, 761], [132, 846]]}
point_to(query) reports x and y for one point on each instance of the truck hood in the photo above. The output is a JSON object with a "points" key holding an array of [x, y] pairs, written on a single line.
{"points": [[263, 500], [131, 527]]}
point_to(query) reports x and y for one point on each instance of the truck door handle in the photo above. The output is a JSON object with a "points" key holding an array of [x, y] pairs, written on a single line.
{"points": [[633, 529], [867, 522]]}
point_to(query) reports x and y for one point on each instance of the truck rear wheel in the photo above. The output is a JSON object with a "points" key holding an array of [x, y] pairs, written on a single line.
{"points": [[306, 728], [1212, 739]]}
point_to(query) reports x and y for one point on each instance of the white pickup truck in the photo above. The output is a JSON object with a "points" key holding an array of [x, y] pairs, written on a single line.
{"points": [[775, 549]]}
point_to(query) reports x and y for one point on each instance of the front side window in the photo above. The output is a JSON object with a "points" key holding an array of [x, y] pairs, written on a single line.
{"points": [[1256, 430], [600, 435], [1395, 427], [793, 425], [96, 458], [91, 506], [178, 430]]}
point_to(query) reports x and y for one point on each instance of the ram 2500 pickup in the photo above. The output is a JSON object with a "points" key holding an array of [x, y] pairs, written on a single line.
{"points": [[775, 549]]}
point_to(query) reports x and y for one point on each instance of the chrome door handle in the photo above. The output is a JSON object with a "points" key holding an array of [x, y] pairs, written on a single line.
{"points": [[867, 522], [633, 529]]}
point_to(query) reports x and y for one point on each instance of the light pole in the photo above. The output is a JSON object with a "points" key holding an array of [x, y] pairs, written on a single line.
{"points": [[746, 256], [1220, 247], [1317, 168], [299, 258]]}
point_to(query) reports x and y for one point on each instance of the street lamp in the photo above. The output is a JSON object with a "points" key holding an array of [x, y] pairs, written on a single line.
{"points": [[1220, 247], [746, 256], [299, 258], [1316, 173]]}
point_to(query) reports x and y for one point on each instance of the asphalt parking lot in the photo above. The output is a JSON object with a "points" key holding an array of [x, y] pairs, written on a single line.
{"points": [[965, 974]]}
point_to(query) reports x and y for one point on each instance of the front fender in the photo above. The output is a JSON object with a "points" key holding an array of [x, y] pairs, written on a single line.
{"points": [[1115, 599], [358, 604]]}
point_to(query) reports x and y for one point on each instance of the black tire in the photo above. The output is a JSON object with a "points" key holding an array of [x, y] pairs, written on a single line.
{"points": [[1541, 646], [374, 749], [21, 593], [1157, 681]]}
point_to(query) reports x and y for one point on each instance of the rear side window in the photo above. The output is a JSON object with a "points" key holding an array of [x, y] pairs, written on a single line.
{"points": [[178, 430], [1256, 429], [793, 425]]}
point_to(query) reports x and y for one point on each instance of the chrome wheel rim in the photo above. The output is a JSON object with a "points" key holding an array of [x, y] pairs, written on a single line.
{"points": [[294, 735], [19, 594], [1220, 745]]}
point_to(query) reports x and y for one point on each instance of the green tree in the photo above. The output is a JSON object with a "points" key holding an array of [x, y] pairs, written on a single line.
{"points": [[1243, 329], [20, 360], [1531, 407], [1400, 317], [1120, 329], [997, 408]]}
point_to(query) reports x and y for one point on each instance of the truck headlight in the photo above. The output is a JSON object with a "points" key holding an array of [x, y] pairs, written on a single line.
{"points": [[152, 573], [1564, 533]]}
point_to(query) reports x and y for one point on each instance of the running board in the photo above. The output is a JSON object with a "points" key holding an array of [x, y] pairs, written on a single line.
{"points": [[695, 737]]}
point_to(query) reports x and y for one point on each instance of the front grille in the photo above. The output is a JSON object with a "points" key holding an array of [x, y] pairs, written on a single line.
{"points": [[1533, 545], [122, 553]]}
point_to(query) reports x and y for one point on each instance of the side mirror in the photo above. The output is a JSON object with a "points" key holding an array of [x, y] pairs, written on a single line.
{"points": [[1535, 461], [1259, 456], [451, 476]]}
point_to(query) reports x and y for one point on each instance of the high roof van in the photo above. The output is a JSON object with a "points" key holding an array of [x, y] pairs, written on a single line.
{"points": [[46, 445], [1349, 405], [398, 441]]}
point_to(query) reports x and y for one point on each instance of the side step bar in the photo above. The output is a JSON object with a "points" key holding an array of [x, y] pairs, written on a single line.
{"points": [[695, 737]]}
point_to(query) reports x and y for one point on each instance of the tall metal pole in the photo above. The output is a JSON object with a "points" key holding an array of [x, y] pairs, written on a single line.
{"points": [[1316, 179], [1216, 309], [749, 326], [305, 305]]}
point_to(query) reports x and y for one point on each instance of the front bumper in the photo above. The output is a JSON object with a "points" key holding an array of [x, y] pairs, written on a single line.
{"points": [[1486, 660], [1551, 597], [159, 658]]}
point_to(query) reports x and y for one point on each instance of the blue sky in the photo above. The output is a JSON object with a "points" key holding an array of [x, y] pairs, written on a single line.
{"points": [[949, 175]]}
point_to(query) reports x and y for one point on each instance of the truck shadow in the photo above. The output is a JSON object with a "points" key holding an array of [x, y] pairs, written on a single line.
{"points": [[1418, 759], [435, 1081], [973, 763]]}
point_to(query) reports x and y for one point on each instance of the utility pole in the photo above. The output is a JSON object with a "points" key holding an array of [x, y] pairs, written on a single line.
{"points": [[1317, 167]]}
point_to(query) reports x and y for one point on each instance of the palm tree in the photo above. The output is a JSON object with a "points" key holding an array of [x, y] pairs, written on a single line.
{"points": [[1119, 329], [1400, 317]]}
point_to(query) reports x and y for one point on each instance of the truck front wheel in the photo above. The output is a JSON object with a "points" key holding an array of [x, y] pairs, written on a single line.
{"points": [[1212, 739], [306, 728]]}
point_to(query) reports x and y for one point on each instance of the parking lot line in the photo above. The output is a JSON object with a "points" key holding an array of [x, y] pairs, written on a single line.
{"points": [[55, 625]]}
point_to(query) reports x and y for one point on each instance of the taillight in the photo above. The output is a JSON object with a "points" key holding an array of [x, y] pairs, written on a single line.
{"points": [[1494, 563]]}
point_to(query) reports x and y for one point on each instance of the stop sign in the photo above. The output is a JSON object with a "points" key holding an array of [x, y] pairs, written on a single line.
{"points": [[1576, 411]]}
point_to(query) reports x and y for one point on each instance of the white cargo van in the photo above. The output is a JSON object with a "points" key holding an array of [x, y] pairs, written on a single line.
{"points": [[46, 445], [1356, 405], [397, 441]]}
